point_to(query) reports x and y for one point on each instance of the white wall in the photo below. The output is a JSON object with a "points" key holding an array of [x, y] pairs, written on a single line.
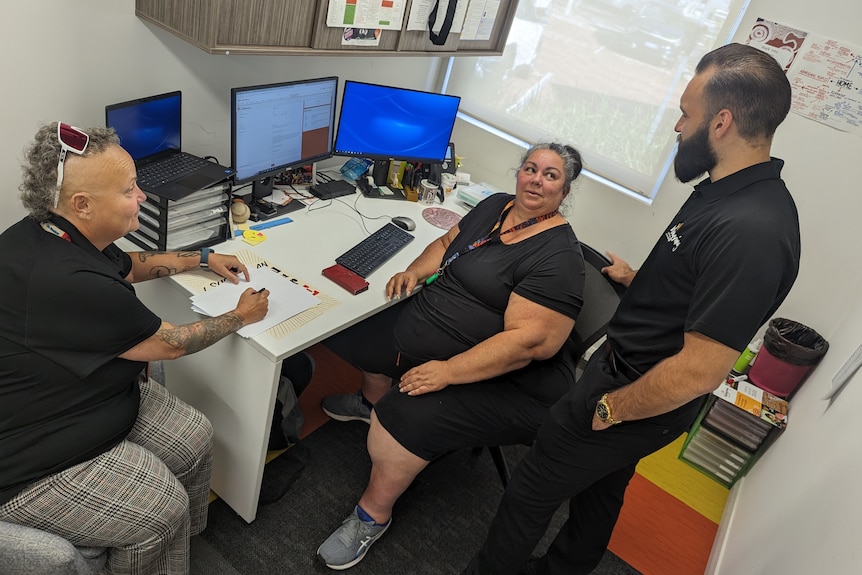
{"points": [[797, 511], [68, 60]]}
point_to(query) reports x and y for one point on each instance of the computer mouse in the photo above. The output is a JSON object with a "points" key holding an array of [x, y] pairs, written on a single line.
{"points": [[404, 223]]}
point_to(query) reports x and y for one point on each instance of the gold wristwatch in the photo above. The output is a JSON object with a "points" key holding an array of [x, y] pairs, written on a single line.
{"points": [[603, 411]]}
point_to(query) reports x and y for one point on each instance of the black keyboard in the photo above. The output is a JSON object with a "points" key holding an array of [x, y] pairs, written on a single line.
{"points": [[375, 250], [169, 169]]}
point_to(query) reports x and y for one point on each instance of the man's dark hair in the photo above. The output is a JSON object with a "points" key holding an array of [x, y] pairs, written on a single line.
{"points": [[751, 84]]}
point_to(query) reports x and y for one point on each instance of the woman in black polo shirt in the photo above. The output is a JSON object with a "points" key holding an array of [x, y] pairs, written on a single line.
{"points": [[93, 450]]}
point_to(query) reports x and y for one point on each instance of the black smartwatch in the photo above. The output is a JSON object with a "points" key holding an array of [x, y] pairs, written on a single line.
{"points": [[205, 257]]}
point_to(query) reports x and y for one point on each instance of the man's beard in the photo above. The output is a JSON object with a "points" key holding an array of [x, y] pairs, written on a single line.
{"points": [[694, 155]]}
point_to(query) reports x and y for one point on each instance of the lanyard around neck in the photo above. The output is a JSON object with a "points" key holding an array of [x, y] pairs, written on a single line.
{"points": [[484, 240], [52, 228]]}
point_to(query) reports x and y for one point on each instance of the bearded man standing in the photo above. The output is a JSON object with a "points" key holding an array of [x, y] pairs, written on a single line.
{"points": [[723, 266]]}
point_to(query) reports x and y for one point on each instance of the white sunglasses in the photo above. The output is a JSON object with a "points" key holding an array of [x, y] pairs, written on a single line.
{"points": [[71, 139]]}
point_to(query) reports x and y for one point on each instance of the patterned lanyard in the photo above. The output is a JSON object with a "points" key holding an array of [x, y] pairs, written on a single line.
{"points": [[482, 241]]}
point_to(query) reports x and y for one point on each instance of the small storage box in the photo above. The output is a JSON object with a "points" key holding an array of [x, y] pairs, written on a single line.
{"points": [[198, 220]]}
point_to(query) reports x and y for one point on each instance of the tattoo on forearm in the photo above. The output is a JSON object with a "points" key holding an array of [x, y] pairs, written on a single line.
{"points": [[163, 269], [199, 335], [144, 256]]}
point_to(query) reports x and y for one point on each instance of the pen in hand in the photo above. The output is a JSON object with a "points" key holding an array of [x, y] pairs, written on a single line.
{"points": [[260, 290]]}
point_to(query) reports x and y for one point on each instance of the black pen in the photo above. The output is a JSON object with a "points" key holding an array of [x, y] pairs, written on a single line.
{"points": [[260, 290]]}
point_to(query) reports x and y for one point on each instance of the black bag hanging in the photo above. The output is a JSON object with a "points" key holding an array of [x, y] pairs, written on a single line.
{"points": [[440, 38]]}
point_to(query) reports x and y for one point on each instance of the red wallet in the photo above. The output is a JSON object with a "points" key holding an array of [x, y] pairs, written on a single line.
{"points": [[347, 279]]}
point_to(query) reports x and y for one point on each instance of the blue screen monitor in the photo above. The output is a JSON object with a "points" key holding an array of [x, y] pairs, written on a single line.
{"points": [[148, 126], [383, 122], [279, 126]]}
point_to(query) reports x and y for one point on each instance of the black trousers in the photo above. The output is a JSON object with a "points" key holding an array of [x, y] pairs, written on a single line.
{"points": [[571, 461]]}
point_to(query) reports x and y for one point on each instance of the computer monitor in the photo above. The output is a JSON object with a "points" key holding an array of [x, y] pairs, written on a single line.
{"points": [[384, 122], [279, 126]]}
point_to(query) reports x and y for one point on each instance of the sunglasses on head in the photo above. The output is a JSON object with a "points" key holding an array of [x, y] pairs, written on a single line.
{"points": [[71, 139]]}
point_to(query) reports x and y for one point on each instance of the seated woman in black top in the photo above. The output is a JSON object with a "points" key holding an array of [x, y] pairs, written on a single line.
{"points": [[477, 354], [91, 450]]}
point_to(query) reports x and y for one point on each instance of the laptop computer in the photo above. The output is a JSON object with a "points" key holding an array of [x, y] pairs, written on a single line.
{"points": [[150, 130]]}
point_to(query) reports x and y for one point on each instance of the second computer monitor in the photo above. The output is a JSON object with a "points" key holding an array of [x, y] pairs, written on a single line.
{"points": [[384, 122], [278, 126]]}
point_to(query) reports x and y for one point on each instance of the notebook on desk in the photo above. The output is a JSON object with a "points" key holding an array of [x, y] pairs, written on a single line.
{"points": [[150, 130]]}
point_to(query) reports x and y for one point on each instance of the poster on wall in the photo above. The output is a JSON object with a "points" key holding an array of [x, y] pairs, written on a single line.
{"points": [[827, 83], [479, 19], [361, 37], [783, 42], [371, 14], [825, 74]]}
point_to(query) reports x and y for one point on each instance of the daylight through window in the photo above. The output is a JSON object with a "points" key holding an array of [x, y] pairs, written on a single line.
{"points": [[602, 75]]}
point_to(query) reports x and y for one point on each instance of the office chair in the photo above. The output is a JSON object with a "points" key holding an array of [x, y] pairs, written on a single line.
{"points": [[36, 552], [601, 297]]}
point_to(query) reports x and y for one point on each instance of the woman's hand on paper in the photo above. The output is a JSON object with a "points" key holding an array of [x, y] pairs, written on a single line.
{"points": [[228, 266], [253, 305]]}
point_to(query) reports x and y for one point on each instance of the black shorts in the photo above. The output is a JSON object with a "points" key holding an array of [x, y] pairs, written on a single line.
{"points": [[370, 344], [493, 412], [505, 410]]}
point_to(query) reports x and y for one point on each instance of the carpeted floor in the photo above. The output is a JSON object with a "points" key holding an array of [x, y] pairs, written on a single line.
{"points": [[437, 526]]}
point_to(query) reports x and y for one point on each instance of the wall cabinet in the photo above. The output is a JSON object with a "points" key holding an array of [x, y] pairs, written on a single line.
{"points": [[298, 27]]}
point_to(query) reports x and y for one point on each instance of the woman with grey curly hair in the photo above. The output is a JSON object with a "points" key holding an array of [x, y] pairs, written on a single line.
{"points": [[92, 449], [38, 184]]}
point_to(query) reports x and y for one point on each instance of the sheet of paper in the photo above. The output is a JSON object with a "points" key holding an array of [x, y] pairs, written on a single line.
{"points": [[200, 281], [827, 83], [420, 9], [286, 299], [278, 197], [479, 19], [374, 14]]}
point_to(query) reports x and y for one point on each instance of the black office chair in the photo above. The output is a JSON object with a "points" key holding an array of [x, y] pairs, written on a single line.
{"points": [[601, 297]]}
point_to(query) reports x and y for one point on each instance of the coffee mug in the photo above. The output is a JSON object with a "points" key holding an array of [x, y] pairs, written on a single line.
{"points": [[429, 192]]}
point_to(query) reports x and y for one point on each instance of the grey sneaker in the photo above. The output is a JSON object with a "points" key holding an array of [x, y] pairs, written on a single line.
{"points": [[349, 543], [348, 407]]}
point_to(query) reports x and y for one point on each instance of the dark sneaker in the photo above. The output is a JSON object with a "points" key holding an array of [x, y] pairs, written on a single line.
{"points": [[348, 407], [349, 543]]}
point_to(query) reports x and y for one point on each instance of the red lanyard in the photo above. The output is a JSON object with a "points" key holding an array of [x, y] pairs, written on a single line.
{"points": [[482, 241]]}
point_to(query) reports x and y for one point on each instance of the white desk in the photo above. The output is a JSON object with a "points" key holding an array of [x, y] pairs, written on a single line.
{"points": [[234, 381]]}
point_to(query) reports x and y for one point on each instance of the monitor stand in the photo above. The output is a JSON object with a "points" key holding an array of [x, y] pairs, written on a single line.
{"points": [[261, 210], [261, 189]]}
